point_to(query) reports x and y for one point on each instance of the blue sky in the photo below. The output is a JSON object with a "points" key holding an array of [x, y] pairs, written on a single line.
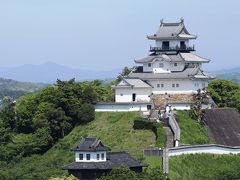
{"points": [[107, 34]]}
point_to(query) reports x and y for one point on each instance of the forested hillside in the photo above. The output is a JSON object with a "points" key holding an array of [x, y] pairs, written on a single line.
{"points": [[15, 89], [114, 129], [37, 120]]}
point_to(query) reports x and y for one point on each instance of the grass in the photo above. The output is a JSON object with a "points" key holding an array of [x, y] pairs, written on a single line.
{"points": [[161, 138], [154, 161], [205, 166], [114, 129], [192, 132]]}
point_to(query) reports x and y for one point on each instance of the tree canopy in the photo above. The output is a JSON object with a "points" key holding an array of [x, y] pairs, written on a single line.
{"points": [[37, 120], [225, 93]]}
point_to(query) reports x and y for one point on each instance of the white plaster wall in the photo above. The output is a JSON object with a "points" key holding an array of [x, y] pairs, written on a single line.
{"points": [[125, 94], [93, 156], [167, 67], [180, 66], [178, 106], [155, 67], [174, 126], [120, 107], [199, 150], [186, 86]]}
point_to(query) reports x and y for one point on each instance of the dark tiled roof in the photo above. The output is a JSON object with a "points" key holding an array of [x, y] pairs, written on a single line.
{"points": [[187, 73], [172, 31], [178, 57], [91, 144], [114, 159]]}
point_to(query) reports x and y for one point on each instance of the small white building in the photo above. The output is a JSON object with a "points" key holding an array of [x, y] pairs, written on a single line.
{"points": [[170, 68], [93, 159]]}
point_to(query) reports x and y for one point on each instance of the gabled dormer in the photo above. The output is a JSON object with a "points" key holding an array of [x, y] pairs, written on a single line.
{"points": [[91, 150], [172, 37]]}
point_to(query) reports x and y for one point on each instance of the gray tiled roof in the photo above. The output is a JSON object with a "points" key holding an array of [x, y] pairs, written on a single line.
{"points": [[172, 30], [190, 57], [114, 159], [179, 57], [188, 73], [134, 82], [91, 144]]}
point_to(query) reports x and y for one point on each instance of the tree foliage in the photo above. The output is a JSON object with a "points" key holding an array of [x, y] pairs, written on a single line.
{"points": [[124, 73], [225, 93], [200, 98], [37, 120], [124, 173]]}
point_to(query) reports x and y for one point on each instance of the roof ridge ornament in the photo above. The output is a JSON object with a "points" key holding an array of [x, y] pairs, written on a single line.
{"points": [[182, 20], [161, 21]]}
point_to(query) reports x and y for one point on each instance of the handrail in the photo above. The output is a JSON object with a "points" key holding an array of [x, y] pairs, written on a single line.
{"points": [[176, 48], [174, 126]]}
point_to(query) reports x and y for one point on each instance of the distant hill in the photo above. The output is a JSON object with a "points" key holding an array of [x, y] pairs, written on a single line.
{"points": [[49, 72], [229, 74], [14, 89]]}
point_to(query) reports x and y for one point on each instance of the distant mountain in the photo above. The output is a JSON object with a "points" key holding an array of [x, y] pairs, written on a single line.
{"points": [[49, 72], [228, 74], [227, 71], [14, 89]]}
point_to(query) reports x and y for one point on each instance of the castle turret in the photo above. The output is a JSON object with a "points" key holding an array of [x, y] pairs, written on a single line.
{"points": [[172, 37]]}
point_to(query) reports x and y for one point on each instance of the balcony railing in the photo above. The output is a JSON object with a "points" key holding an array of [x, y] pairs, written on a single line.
{"points": [[176, 48]]}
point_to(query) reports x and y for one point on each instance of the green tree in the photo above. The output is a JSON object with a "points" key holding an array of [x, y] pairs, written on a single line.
{"points": [[202, 97], [225, 93], [86, 113], [121, 173], [124, 73]]}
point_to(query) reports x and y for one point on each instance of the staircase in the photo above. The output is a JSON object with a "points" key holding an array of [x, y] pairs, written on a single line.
{"points": [[169, 137]]}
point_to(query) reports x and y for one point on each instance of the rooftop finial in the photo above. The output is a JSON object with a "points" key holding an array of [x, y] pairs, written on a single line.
{"points": [[181, 20]]}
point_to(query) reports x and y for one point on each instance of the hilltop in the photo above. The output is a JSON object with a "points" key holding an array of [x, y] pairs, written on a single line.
{"points": [[114, 129]]}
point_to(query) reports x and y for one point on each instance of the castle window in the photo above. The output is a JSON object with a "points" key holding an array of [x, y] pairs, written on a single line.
{"points": [[98, 156], [203, 85], [177, 85], [175, 64], [88, 156], [173, 85], [161, 64], [121, 94], [102, 156], [149, 64], [80, 156], [158, 85], [162, 85]]}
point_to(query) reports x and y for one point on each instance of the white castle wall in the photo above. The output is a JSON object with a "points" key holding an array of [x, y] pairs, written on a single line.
{"points": [[155, 67], [167, 67], [185, 86], [93, 156], [121, 107], [125, 94], [199, 149]]}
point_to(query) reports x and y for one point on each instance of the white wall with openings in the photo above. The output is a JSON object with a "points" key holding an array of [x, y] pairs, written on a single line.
{"points": [[99, 156], [126, 94]]}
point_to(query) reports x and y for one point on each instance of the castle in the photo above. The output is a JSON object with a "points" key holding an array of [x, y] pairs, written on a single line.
{"points": [[170, 69]]}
